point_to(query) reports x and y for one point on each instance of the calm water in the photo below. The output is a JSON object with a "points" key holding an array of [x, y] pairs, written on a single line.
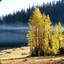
{"points": [[13, 33]]}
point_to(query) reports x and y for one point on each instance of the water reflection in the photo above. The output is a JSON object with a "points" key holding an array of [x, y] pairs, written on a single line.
{"points": [[14, 33]]}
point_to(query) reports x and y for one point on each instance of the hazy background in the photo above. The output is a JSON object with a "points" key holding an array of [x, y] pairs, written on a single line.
{"points": [[15, 14], [10, 6]]}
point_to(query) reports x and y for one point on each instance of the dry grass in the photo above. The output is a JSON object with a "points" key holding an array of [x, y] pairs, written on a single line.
{"points": [[33, 61], [16, 56], [14, 53]]}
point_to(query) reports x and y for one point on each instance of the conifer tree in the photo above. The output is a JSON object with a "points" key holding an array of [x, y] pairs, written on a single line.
{"points": [[46, 39], [57, 38], [40, 37], [55, 44], [35, 34], [39, 32], [60, 34]]}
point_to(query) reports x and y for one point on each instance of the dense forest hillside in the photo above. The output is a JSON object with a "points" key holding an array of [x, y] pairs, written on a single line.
{"points": [[55, 11]]}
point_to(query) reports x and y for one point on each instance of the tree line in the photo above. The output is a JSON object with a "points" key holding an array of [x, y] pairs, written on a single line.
{"points": [[54, 10]]}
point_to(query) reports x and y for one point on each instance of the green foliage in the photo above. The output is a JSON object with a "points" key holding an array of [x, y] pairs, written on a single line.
{"points": [[41, 39]]}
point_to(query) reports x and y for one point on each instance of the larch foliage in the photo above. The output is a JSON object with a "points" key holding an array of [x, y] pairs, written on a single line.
{"points": [[60, 34], [41, 39], [39, 32], [55, 44], [35, 33], [57, 38], [46, 33]]}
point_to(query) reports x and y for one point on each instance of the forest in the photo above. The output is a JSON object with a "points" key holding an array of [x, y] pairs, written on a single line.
{"points": [[54, 10]]}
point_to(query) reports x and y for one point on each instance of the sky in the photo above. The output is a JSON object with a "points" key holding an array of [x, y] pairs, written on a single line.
{"points": [[10, 6]]}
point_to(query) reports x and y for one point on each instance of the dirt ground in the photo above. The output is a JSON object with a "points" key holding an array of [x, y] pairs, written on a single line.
{"points": [[21, 56], [20, 52]]}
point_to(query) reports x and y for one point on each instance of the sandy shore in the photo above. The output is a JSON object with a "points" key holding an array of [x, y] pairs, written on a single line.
{"points": [[21, 56], [14, 53]]}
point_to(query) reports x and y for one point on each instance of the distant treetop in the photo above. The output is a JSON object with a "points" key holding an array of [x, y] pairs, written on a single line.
{"points": [[55, 11], [0, 0]]}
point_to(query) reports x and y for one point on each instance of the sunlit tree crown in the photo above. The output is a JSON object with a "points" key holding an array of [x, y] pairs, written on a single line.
{"points": [[36, 17]]}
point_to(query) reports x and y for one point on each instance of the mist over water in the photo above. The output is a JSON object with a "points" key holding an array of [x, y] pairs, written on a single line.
{"points": [[14, 33]]}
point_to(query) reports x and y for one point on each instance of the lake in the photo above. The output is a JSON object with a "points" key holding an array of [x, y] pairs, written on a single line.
{"points": [[13, 34]]}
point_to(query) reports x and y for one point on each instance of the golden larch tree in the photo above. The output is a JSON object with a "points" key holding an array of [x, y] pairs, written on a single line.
{"points": [[57, 38], [60, 34], [40, 36], [35, 33], [46, 33], [39, 32]]}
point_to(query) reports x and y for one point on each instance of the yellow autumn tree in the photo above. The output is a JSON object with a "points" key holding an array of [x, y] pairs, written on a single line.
{"points": [[60, 34], [57, 38], [39, 32], [40, 37], [35, 33], [46, 34]]}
